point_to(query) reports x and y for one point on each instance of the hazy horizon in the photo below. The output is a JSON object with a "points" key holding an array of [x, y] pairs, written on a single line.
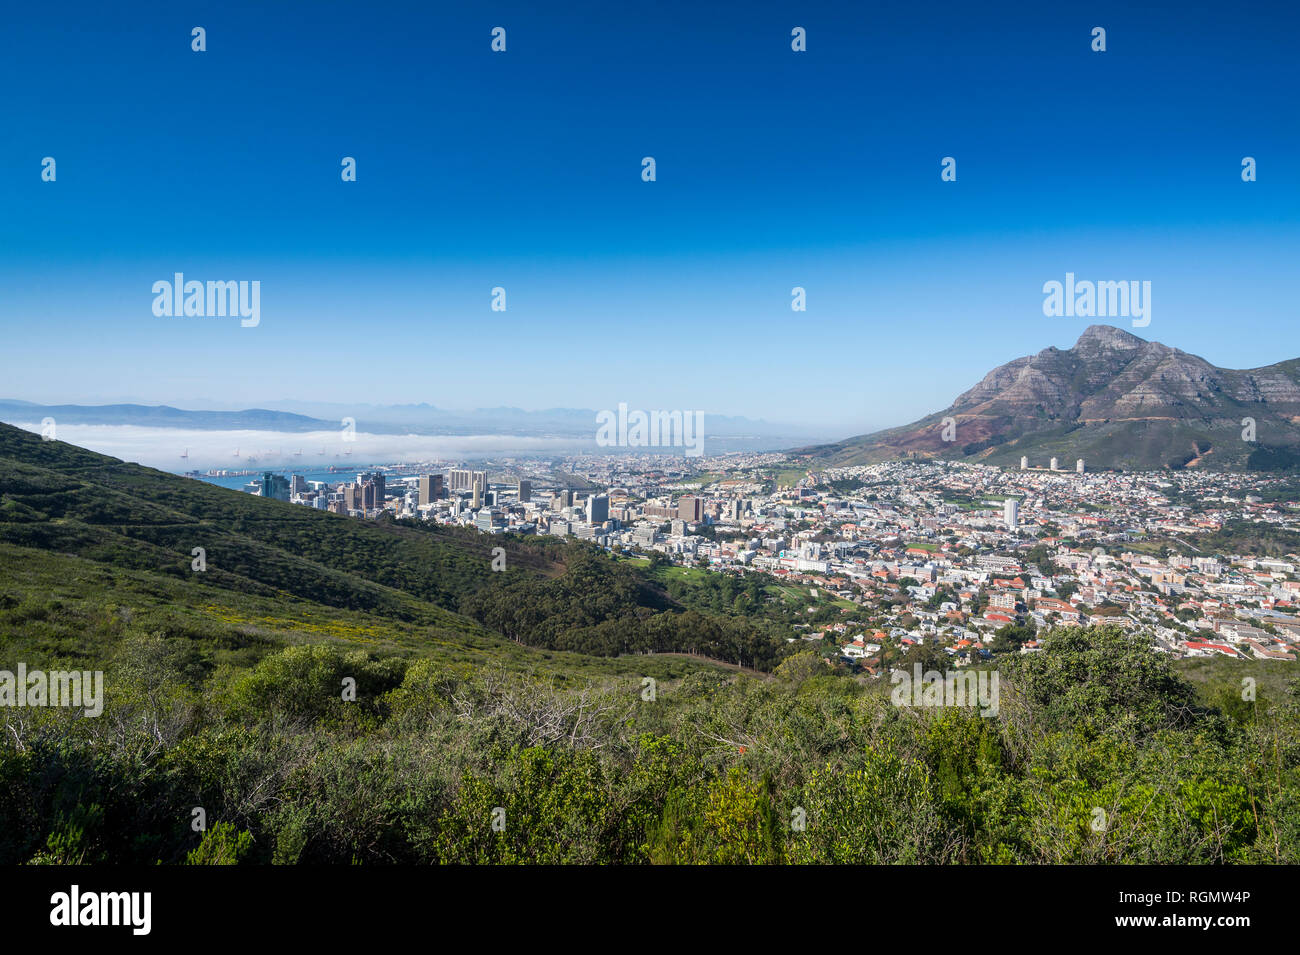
{"points": [[312, 407]]}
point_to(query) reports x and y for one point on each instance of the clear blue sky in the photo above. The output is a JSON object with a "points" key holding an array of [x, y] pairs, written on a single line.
{"points": [[522, 170]]}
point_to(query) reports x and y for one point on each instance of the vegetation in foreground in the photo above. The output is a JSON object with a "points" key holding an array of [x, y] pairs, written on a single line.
{"points": [[569, 710], [1099, 753]]}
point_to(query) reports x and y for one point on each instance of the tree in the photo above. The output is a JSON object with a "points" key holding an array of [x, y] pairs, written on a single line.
{"points": [[1101, 679]]}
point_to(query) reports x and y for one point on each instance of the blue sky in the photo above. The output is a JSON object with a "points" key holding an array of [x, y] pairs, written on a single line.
{"points": [[522, 170]]}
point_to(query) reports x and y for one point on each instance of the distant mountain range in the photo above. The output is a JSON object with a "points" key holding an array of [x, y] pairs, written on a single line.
{"points": [[729, 433], [160, 416], [1113, 399]]}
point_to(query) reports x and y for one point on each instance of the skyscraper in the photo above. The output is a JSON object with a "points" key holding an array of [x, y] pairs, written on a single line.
{"points": [[430, 488], [462, 479], [690, 509], [352, 497], [597, 509], [525, 491], [1011, 513], [373, 490], [1078, 465], [275, 487], [477, 499]]}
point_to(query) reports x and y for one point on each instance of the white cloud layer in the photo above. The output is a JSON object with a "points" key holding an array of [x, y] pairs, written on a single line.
{"points": [[162, 447]]}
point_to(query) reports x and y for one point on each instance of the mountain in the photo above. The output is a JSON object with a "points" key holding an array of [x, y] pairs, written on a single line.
{"points": [[567, 422], [1115, 400], [422, 419], [162, 416]]}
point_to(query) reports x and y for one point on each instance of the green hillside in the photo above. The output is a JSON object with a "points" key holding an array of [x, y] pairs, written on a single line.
{"points": [[270, 564], [336, 691]]}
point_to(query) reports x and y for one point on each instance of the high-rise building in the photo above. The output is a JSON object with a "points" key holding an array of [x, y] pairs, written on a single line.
{"points": [[1011, 512], [274, 487], [562, 500], [1078, 465], [462, 479], [690, 509], [525, 491], [1024, 463], [477, 500], [373, 490], [430, 488], [1054, 465], [597, 509], [352, 497]]}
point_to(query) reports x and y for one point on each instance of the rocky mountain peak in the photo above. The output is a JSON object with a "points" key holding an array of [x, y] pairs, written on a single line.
{"points": [[1108, 336]]}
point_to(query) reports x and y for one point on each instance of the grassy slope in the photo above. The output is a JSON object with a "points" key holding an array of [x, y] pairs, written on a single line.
{"points": [[93, 550]]}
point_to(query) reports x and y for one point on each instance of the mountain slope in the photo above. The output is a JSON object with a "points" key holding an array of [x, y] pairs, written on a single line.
{"points": [[1115, 400], [72, 520]]}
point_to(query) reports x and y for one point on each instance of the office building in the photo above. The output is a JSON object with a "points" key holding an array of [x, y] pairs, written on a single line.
{"points": [[462, 479], [275, 487], [373, 491], [430, 489]]}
